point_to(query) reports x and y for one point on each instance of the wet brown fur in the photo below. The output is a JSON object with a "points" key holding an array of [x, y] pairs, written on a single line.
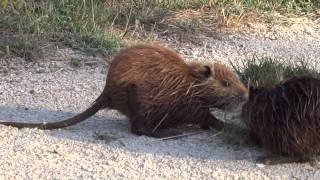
{"points": [[286, 118], [155, 88]]}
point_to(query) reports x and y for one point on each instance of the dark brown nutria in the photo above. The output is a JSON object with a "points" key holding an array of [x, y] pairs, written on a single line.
{"points": [[155, 88], [286, 118]]}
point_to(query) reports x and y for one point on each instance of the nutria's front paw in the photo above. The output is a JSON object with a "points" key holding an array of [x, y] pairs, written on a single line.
{"points": [[218, 125]]}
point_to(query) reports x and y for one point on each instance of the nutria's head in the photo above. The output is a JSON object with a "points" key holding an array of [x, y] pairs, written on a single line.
{"points": [[221, 85]]}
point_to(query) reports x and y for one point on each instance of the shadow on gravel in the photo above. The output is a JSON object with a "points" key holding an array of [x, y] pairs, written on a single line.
{"points": [[106, 130]]}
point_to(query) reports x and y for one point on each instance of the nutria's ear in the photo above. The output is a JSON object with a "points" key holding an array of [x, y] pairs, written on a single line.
{"points": [[201, 71]]}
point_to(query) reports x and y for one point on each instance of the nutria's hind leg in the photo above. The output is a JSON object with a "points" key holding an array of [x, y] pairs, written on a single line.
{"points": [[132, 102], [209, 121], [277, 159], [138, 126]]}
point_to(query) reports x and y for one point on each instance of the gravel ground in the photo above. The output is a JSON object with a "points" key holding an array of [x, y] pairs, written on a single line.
{"points": [[102, 147]]}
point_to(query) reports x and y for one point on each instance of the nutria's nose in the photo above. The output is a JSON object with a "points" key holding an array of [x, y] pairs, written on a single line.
{"points": [[246, 96]]}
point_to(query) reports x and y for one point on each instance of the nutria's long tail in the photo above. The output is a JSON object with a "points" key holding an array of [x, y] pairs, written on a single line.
{"points": [[97, 105]]}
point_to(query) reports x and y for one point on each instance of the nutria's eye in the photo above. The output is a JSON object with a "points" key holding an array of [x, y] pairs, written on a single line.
{"points": [[207, 72], [225, 83]]}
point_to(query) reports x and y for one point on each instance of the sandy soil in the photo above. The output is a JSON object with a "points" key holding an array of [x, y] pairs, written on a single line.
{"points": [[102, 147]]}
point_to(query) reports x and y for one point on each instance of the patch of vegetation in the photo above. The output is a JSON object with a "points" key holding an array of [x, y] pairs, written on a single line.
{"points": [[232, 5], [107, 138], [27, 25], [77, 24], [236, 136], [26, 47], [267, 71], [190, 26], [270, 5], [183, 4], [75, 62]]}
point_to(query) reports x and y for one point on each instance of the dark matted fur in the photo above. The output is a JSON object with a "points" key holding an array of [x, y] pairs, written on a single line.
{"points": [[155, 88], [286, 118]]}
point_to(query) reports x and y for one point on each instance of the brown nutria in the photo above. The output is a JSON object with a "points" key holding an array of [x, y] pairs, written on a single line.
{"points": [[285, 118], [155, 88]]}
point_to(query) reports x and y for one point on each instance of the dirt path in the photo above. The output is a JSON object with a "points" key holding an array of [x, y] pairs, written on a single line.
{"points": [[102, 147]]}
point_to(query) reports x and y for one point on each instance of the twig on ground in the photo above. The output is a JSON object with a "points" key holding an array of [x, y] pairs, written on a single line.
{"points": [[163, 118], [177, 136], [216, 134]]}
